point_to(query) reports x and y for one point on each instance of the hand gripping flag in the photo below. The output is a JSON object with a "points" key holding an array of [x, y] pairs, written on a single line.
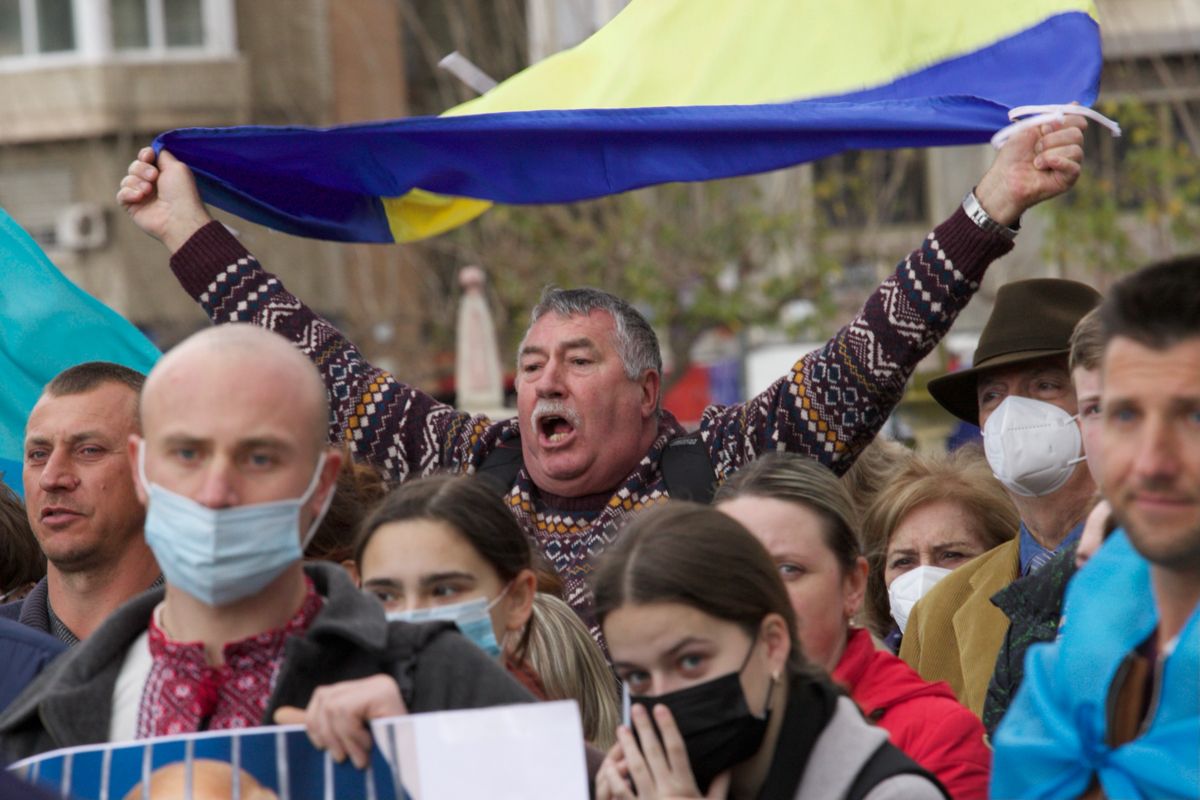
{"points": [[48, 324], [670, 90]]}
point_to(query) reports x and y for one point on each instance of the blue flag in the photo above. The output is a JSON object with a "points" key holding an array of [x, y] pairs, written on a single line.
{"points": [[670, 90], [48, 324]]}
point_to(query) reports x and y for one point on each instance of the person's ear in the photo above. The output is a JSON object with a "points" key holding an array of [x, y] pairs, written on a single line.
{"points": [[854, 588], [520, 596], [328, 480], [651, 385], [775, 634], [133, 446], [352, 570]]}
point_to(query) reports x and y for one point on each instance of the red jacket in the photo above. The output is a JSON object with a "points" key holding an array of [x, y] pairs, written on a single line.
{"points": [[923, 719]]}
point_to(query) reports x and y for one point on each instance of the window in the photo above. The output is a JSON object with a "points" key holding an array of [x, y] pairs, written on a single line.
{"points": [[157, 24], [32, 27], [39, 33], [10, 28]]}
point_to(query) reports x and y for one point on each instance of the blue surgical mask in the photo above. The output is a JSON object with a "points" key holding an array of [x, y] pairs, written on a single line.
{"points": [[473, 618], [222, 555]]}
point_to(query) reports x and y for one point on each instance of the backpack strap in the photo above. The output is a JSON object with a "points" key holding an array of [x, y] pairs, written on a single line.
{"points": [[688, 470], [500, 467], [887, 762], [686, 465]]}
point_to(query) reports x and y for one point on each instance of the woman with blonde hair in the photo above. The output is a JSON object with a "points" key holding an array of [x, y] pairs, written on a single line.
{"points": [[937, 513], [572, 667]]}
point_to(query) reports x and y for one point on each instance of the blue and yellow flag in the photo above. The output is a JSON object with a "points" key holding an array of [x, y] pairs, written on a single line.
{"points": [[48, 324], [670, 90]]}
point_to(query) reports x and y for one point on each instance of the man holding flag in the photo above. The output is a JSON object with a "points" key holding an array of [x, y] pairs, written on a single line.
{"points": [[589, 441]]}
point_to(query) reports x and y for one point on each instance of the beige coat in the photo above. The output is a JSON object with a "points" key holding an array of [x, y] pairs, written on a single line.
{"points": [[954, 633]]}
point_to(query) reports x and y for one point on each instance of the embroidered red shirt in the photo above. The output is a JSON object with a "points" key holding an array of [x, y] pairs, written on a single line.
{"points": [[184, 693]]}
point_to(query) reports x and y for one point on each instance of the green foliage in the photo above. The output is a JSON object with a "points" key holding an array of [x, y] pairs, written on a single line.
{"points": [[692, 257], [1138, 199]]}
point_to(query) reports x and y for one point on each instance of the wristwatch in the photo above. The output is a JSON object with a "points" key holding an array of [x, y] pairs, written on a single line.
{"points": [[971, 207]]}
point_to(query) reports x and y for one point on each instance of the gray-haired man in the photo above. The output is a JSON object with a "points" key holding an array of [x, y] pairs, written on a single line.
{"points": [[590, 444]]}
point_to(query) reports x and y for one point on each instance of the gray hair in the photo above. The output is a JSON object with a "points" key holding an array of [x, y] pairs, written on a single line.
{"points": [[637, 344]]}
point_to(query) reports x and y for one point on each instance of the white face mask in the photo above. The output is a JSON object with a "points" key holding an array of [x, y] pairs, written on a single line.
{"points": [[910, 587], [1031, 446], [221, 555]]}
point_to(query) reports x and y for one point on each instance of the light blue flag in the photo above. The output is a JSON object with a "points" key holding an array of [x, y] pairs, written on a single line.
{"points": [[48, 324]]}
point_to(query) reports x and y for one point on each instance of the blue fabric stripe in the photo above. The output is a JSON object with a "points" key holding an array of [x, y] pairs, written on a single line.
{"points": [[12, 476], [325, 182]]}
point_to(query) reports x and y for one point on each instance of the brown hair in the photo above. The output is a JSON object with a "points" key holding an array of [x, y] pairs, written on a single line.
{"points": [[470, 507], [961, 477], [84, 377], [21, 559], [359, 487], [798, 479], [90, 375], [872, 470], [694, 555], [1087, 342], [465, 504], [571, 666], [1158, 306]]}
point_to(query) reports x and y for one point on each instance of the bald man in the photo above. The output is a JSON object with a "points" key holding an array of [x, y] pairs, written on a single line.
{"points": [[235, 473]]}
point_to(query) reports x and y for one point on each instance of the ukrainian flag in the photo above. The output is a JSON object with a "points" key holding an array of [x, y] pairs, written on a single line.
{"points": [[48, 324], [670, 90]]}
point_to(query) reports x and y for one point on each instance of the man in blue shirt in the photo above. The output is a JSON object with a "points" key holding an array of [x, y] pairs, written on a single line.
{"points": [[1113, 707]]}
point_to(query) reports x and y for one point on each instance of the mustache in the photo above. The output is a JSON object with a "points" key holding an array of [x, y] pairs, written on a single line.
{"points": [[554, 408]]}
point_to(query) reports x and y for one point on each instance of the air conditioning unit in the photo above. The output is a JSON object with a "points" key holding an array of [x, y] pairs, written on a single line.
{"points": [[81, 226]]}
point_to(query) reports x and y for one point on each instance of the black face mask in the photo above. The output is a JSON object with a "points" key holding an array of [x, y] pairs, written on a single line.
{"points": [[717, 727]]}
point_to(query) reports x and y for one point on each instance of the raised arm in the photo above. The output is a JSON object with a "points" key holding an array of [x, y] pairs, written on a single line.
{"points": [[397, 427], [836, 398]]}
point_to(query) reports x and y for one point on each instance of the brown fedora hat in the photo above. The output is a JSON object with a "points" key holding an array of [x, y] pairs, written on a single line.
{"points": [[1031, 319]]}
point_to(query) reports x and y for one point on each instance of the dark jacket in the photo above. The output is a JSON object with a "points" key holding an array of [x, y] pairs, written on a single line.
{"points": [[13, 788], [26, 653], [1033, 605], [70, 703], [32, 610]]}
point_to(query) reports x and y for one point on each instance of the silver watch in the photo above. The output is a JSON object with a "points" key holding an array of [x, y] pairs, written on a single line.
{"points": [[971, 207]]}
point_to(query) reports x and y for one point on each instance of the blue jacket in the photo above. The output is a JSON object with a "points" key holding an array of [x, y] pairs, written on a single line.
{"points": [[26, 651], [1053, 740]]}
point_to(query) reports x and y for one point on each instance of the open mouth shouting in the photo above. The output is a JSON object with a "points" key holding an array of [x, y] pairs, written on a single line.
{"points": [[555, 424]]}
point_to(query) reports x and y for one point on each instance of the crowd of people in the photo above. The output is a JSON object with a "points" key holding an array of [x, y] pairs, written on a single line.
{"points": [[268, 529]]}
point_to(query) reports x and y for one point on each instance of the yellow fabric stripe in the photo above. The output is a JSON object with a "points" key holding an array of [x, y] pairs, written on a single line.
{"points": [[696, 52], [724, 52], [420, 214]]}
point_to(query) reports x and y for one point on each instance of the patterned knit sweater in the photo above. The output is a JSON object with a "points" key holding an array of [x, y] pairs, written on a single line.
{"points": [[829, 406]]}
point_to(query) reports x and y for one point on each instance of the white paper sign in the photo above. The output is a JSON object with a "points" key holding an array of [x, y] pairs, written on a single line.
{"points": [[518, 752]]}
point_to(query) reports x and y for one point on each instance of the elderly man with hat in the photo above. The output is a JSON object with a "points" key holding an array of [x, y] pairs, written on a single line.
{"points": [[1019, 392]]}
